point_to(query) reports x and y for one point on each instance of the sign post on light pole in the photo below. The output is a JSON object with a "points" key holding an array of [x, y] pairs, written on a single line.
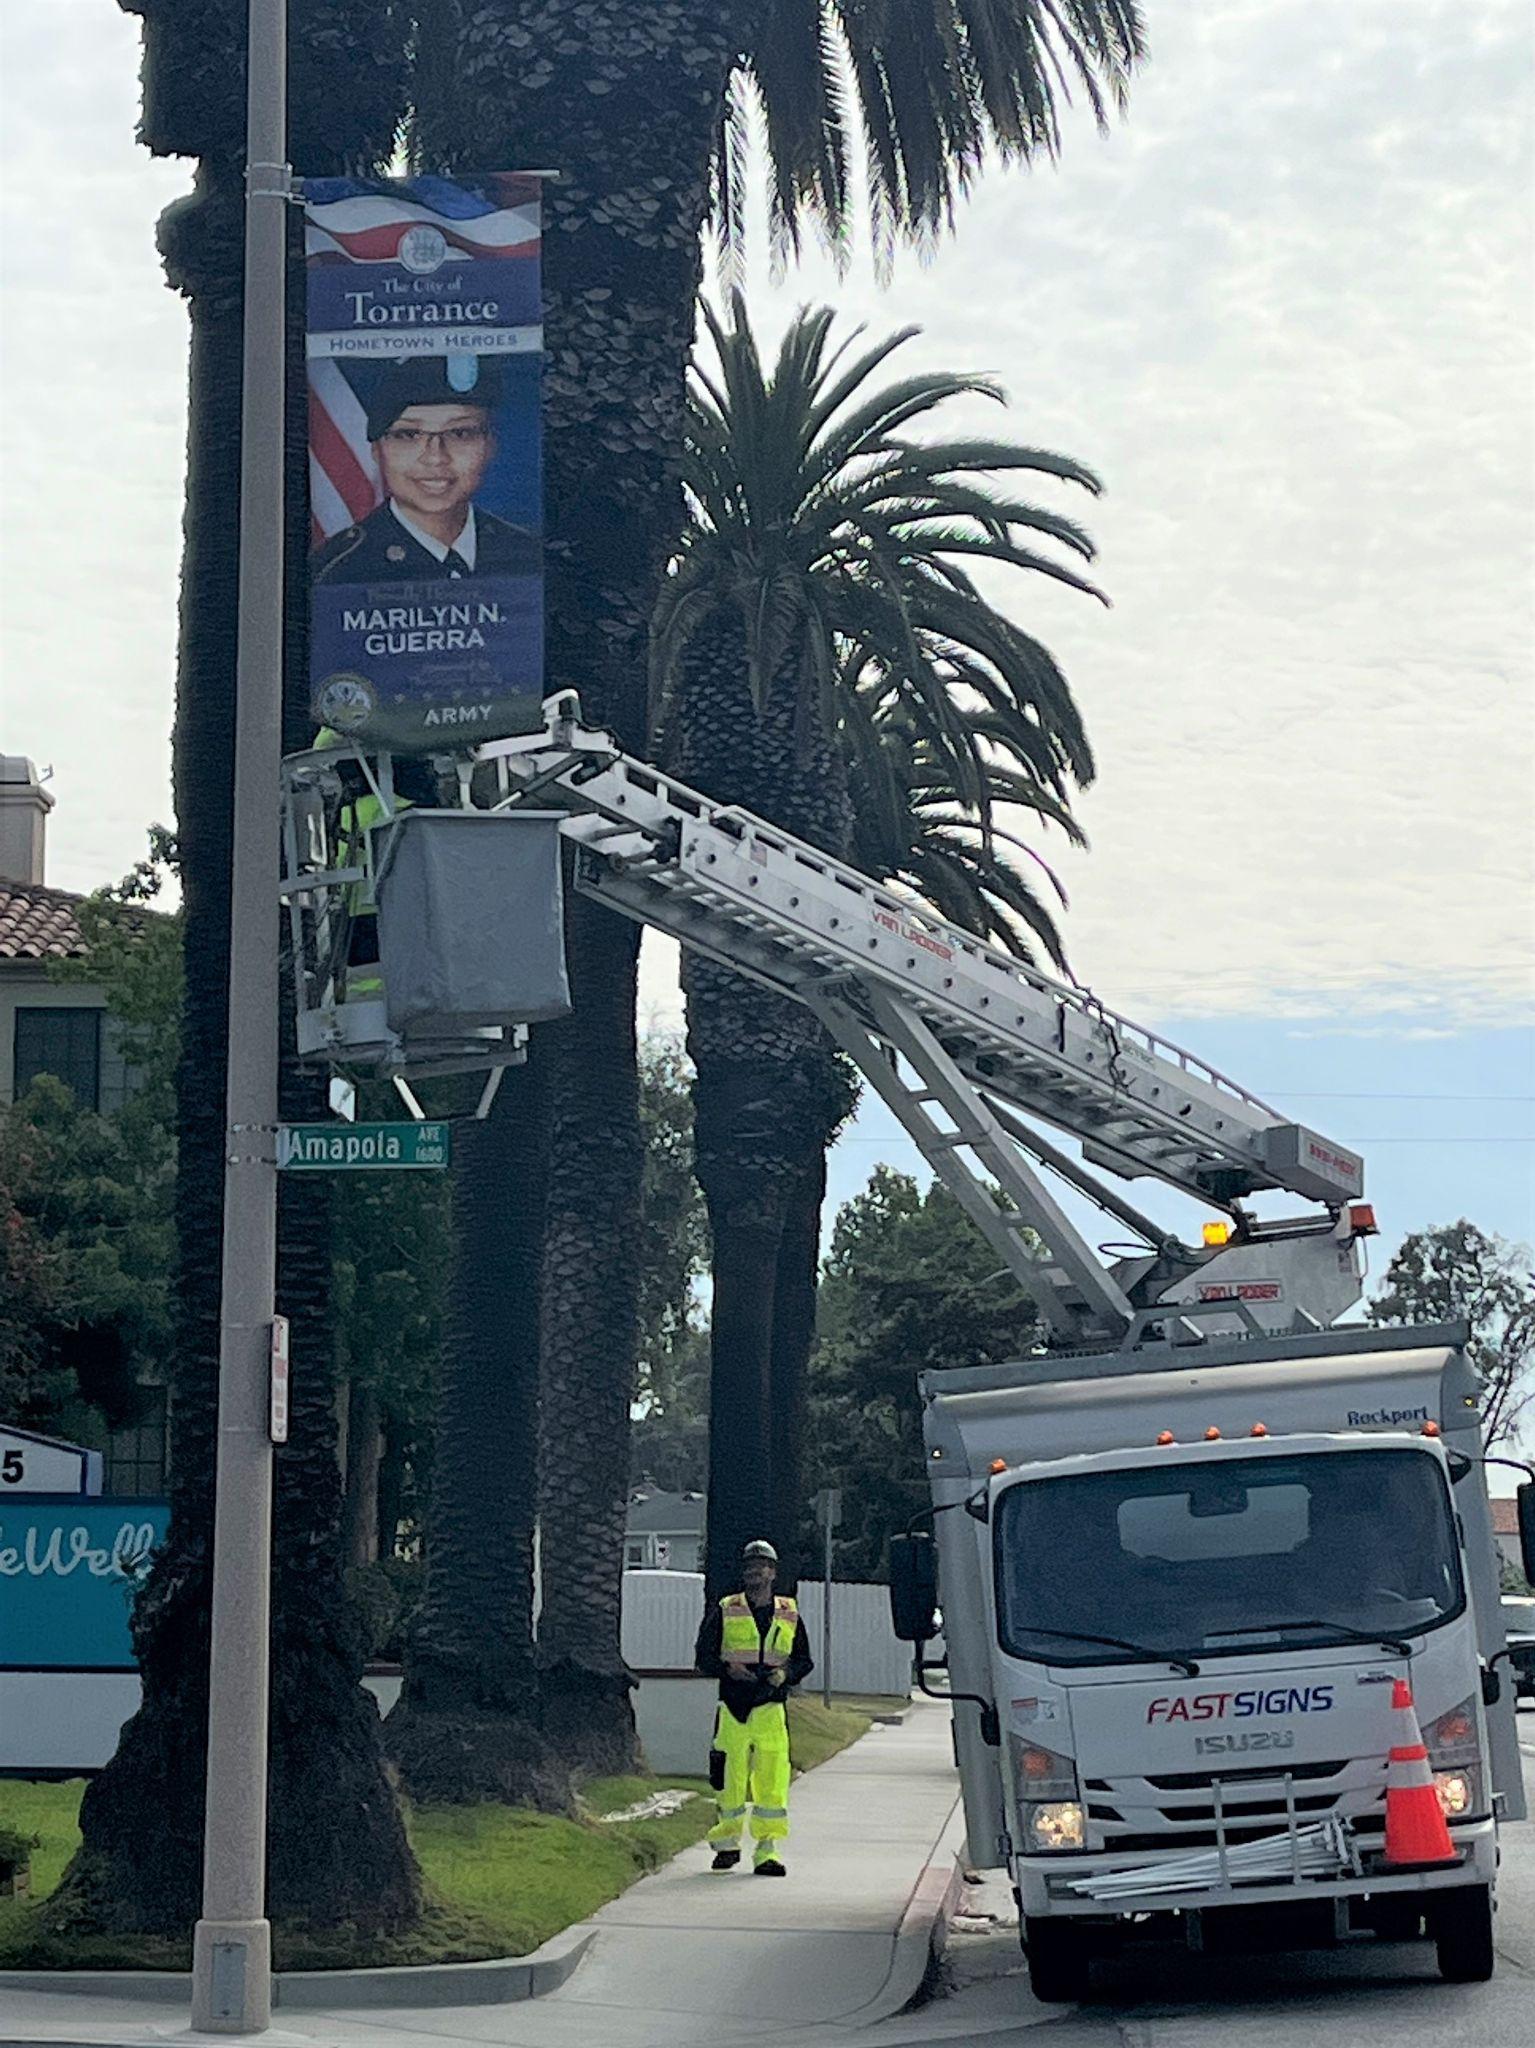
{"points": [[828, 1507], [232, 1942]]}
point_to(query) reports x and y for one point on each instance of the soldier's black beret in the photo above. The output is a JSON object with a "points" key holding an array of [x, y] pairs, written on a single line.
{"points": [[432, 380]]}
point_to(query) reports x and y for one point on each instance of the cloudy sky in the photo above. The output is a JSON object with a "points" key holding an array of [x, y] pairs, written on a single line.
{"points": [[1286, 310]]}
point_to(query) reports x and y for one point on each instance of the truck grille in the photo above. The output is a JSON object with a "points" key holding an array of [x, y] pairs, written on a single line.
{"points": [[1179, 1810]]}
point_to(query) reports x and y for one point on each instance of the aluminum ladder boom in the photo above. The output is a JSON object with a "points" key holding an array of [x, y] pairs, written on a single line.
{"points": [[956, 1036]]}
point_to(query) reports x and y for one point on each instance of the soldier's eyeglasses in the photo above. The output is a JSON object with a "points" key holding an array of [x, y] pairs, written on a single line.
{"points": [[408, 439]]}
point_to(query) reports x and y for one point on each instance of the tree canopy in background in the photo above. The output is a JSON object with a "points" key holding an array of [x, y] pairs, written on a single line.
{"points": [[1457, 1272], [908, 1284], [87, 1235], [669, 1440]]}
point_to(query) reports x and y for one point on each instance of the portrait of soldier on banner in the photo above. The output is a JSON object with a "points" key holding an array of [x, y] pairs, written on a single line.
{"points": [[431, 426], [425, 350]]}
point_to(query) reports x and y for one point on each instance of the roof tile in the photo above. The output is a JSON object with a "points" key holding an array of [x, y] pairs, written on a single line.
{"points": [[38, 923]]}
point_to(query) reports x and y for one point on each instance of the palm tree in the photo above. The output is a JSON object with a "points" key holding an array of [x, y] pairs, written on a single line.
{"points": [[822, 653], [644, 111], [466, 1727], [338, 1852]]}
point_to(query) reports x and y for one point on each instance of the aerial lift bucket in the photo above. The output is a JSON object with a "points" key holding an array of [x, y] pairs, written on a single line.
{"points": [[425, 937], [471, 931]]}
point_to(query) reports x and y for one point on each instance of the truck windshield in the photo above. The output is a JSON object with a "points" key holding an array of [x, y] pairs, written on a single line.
{"points": [[1211, 1561]]}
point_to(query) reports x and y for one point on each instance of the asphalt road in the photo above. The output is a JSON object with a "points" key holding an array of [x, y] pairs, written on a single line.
{"points": [[1357, 1996]]}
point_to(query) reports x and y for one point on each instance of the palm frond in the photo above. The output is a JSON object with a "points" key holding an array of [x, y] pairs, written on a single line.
{"points": [[830, 552], [932, 87]]}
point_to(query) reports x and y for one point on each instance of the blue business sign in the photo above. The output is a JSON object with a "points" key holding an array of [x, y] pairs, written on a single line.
{"points": [[69, 1572]]}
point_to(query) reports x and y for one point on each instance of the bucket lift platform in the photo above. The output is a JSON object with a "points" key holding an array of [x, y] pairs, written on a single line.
{"points": [[426, 929]]}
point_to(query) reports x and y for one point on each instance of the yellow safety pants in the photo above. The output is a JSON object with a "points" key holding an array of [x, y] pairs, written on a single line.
{"points": [[756, 1779]]}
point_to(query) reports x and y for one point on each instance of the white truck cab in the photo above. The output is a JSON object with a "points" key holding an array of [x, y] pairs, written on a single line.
{"points": [[1178, 1584]]}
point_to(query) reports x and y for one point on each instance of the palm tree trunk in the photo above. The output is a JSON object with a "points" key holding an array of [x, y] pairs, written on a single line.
{"points": [[466, 1724], [141, 1820], [337, 1848], [625, 102], [364, 1437], [794, 1299], [337, 1853], [589, 1344], [391, 1485], [768, 1096], [746, 1219]]}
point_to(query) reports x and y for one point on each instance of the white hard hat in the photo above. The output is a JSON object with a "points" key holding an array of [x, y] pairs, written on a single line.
{"points": [[759, 1552]]}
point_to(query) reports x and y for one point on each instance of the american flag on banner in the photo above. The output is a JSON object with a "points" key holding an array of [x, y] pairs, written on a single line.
{"points": [[343, 477], [368, 230]]}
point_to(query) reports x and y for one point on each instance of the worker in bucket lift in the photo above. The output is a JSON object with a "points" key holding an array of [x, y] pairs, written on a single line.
{"points": [[755, 1644], [414, 783]]}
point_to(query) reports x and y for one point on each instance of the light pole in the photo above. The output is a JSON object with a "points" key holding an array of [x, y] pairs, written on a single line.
{"points": [[828, 1508], [232, 1943]]}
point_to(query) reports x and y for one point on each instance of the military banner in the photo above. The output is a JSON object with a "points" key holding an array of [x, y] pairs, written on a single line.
{"points": [[425, 345]]}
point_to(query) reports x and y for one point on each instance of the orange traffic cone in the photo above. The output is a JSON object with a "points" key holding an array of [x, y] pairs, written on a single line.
{"points": [[1415, 1827]]}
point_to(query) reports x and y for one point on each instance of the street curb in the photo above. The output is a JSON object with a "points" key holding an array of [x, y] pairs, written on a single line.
{"points": [[501, 1981], [923, 1933]]}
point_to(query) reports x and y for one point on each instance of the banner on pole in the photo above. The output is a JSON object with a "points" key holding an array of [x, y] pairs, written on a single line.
{"points": [[425, 347]]}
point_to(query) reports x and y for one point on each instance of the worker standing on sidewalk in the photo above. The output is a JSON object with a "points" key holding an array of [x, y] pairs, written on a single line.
{"points": [[755, 1645]]}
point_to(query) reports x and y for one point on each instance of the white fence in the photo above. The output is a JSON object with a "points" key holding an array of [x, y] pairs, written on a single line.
{"points": [[866, 1653], [662, 1611], [69, 1721]]}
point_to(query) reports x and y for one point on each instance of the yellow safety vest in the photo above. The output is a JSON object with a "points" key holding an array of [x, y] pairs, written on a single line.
{"points": [[360, 814], [741, 1642]]}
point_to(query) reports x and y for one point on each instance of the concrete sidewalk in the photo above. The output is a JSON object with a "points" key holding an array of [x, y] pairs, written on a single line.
{"points": [[684, 1955]]}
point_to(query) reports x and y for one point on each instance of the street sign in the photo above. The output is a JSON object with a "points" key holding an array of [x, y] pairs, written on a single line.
{"points": [[44, 1464], [277, 1409], [331, 1148], [828, 1506]]}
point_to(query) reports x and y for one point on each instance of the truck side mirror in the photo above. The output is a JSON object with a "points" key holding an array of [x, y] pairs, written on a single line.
{"points": [[914, 1586], [1524, 1498]]}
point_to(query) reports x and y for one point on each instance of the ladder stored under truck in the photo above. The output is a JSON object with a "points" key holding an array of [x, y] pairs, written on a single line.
{"points": [[968, 1047]]}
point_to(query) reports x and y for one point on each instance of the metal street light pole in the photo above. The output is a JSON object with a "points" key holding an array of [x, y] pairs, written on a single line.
{"points": [[828, 1507], [232, 1944], [826, 1612]]}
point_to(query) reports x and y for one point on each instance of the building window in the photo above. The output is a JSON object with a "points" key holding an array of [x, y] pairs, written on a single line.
{"points": [[119, 1077], [64, 1043], [634, 1557], [135, 1459]]}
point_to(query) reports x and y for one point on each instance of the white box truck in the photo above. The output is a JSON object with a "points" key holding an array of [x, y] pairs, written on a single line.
{"points": [[1178, 1580]]}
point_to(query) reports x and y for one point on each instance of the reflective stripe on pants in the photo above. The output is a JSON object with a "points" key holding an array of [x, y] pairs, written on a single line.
{"points": [[756, 1779]]}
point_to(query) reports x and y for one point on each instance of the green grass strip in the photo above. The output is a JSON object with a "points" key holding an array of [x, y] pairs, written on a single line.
{"points": [[499, 1881]]}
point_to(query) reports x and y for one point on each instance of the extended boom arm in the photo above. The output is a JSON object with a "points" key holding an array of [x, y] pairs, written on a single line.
{"points": [[956, 1037]]}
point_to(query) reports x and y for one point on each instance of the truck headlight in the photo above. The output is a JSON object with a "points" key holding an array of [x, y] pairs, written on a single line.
{"points": [[1049, 1802], [1458, 1791], [1455, 1758], [1052, 1824]]}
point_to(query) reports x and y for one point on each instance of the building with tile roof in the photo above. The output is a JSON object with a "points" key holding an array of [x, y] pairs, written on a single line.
{"points": [[37, 923], [46, 1026], [61, 1028]]}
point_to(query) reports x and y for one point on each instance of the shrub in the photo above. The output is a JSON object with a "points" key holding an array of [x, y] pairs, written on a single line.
{"points": [[15, 1858]]}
